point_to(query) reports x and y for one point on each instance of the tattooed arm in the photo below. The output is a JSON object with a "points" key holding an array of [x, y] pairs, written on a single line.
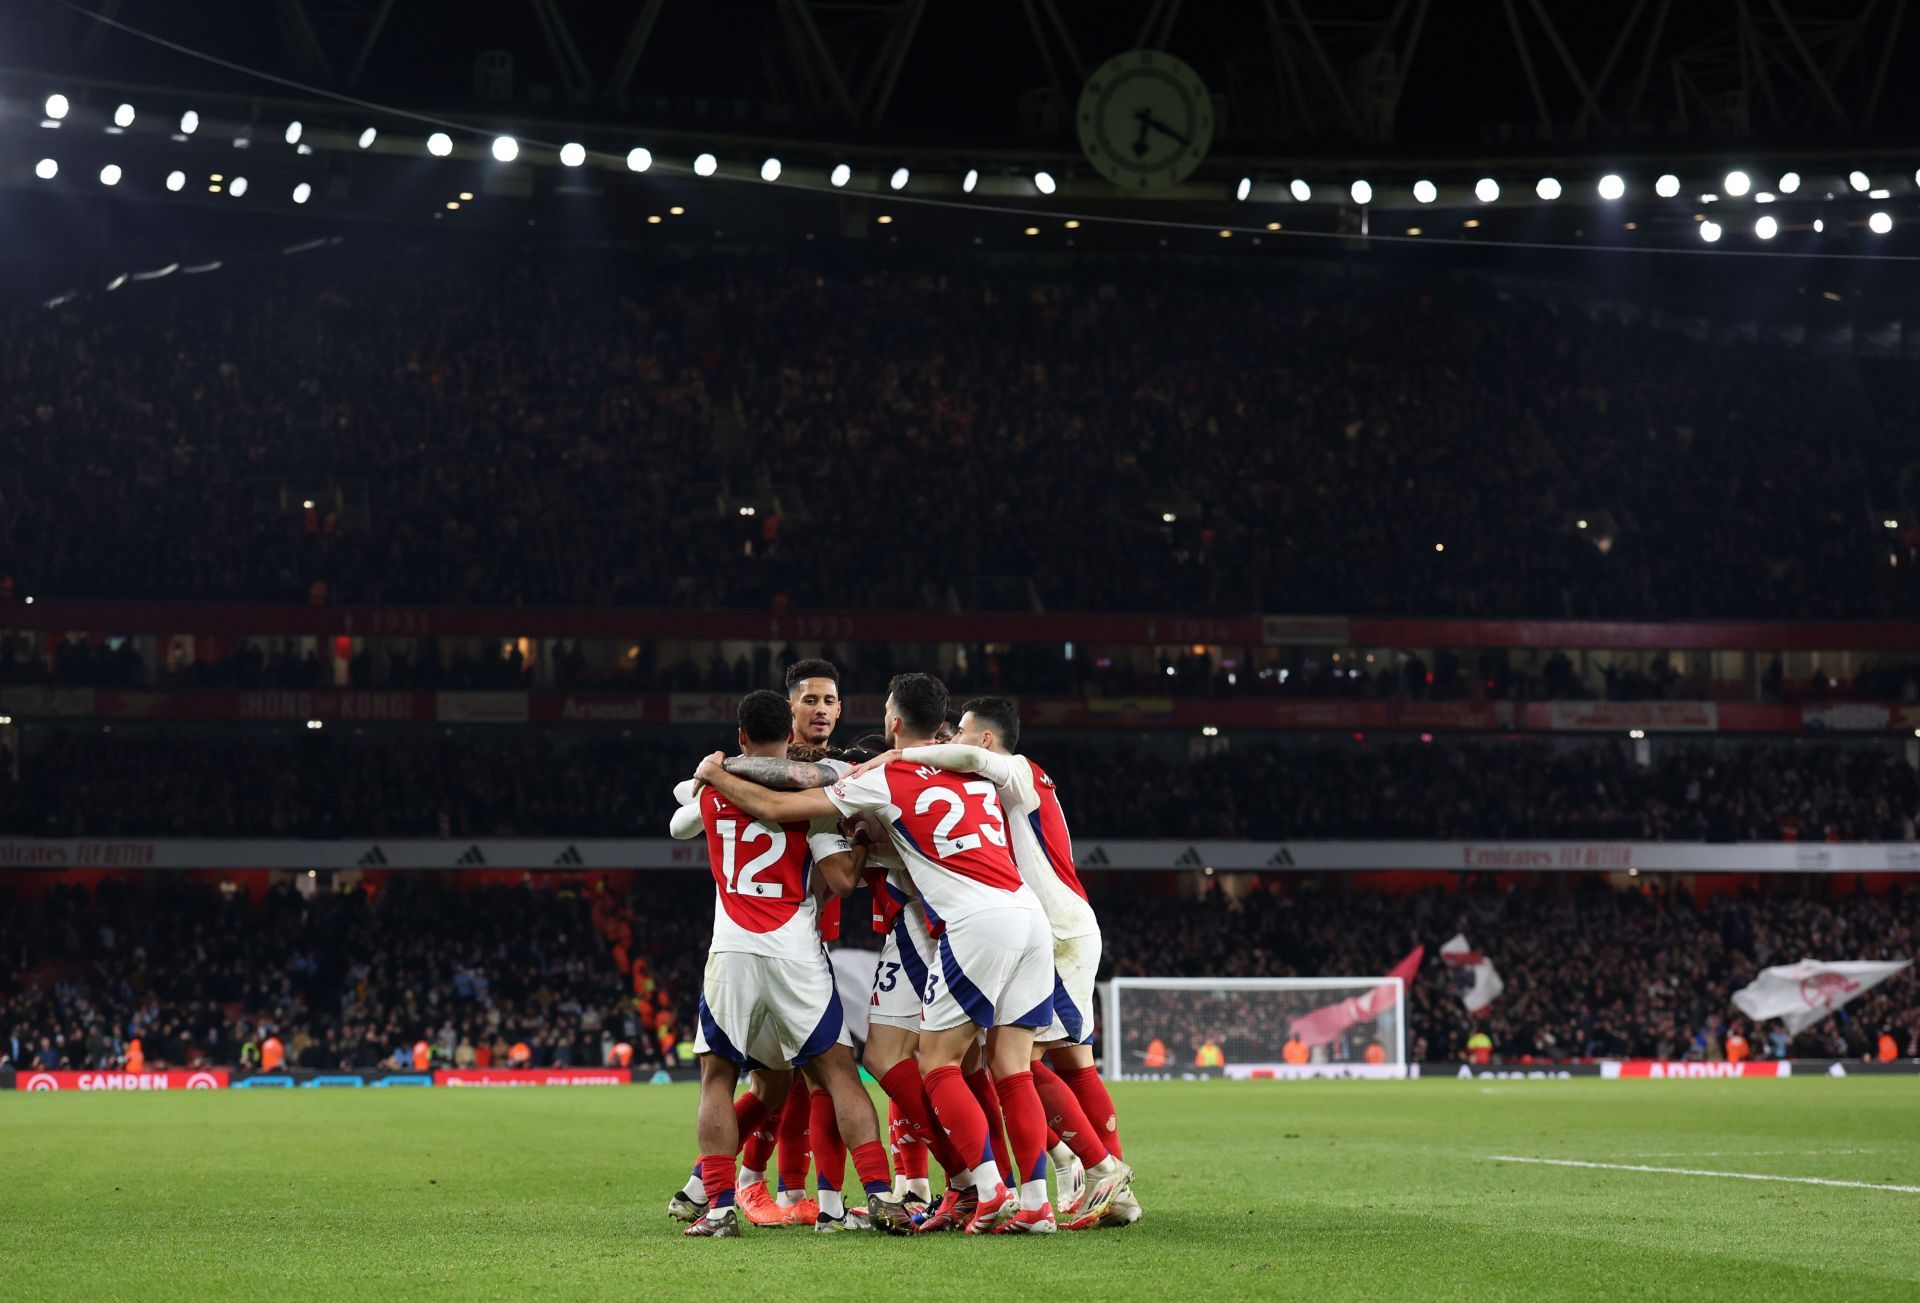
{"points": [[782, 775]]}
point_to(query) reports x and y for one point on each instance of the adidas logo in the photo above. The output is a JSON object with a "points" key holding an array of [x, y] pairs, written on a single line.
{"points": [[374, 858], [471, 858], [571, 855], [1188, 859], [1282, 858], [1097, 856]]}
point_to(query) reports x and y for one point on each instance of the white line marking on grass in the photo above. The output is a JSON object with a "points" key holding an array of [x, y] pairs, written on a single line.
{"points": [[1701, 1171]]}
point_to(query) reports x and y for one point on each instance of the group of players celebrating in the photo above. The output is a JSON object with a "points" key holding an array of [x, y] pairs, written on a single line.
{"points": [[981, 1012]]}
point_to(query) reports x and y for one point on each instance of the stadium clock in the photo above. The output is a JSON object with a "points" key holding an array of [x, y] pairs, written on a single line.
{"points": [[1145, 120]]}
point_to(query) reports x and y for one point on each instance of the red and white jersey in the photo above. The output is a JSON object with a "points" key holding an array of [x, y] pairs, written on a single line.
{"points": [[950, 832], [763, 897], [1042, 847]]}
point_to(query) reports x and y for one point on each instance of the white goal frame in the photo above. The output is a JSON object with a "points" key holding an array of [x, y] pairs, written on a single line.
{"points": [[1115, 1068]]}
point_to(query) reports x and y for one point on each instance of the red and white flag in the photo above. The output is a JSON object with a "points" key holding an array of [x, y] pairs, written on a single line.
{"points": [[1801, 994], [1326, 1023], [1472, 974]]}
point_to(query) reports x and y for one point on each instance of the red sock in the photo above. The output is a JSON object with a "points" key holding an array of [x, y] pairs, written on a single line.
{"points": [[913, 1097], [756, 1146], [716, 1172], [870, 1163], [1065, 1118], [909, 1148], [955, 1109], [750, 1114], [1087, 1087], [1026, 1124], [980, 1082], [829, 1150], [795, 1157]]}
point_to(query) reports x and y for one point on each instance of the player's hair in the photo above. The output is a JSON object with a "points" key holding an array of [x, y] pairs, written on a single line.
{"points": [[807, 751], [811, 668], [999, 714], [874, 742], [765, 717], [921, 701]]}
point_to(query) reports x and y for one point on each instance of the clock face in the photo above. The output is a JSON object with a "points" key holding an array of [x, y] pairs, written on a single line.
{"points": [[1145, 120]]}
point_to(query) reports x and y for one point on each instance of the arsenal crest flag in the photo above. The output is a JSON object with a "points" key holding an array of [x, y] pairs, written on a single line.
{"points": [[1472, 974], [1801, 994]]}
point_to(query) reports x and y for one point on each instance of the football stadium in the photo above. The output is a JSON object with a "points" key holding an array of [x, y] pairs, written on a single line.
{"points": [[1275, 643]]}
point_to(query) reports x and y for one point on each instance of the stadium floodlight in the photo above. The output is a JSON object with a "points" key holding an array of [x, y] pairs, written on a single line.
{"points": [[1819, 226], [967, 182], [1271, 1005], [238, 187], [1737, 184], [57, 106], [1242, 190], [639, 160], [293, 132], [1766, 228], [1879, 223], [1667, 186], [1300, 190], [123, 116], [302, 193], [46, 169], [176, 181], [1789, 182], [1710, 231], [1361, 191], [1042, 181], [705, 165], [505, 149], [770, 170], [573, 154], [1858, 180], [439, 144], [1547, 188], [367, 137], [1425, 191], [899, 179], [1486, 189], [110, 174], [189, 122], [840, 175], [1611, 186]]}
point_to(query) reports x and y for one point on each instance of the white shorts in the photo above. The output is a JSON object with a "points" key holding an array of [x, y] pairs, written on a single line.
{"points": [[995, 970], [1075, 961], [897, 984], [762, 1012]]}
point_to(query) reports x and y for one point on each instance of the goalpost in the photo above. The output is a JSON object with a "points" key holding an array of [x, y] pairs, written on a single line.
{"points": [[1250, 1020]]}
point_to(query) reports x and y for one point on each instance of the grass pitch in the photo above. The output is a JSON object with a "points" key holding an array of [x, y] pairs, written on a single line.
{"points": [[1255, 1189]]}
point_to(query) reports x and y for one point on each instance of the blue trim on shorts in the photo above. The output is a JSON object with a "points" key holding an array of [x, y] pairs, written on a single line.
{"points": [[975, 1005], [1068, 1012], [717, 1042], [911, 961], [826, 1033], [1039, 1018]]}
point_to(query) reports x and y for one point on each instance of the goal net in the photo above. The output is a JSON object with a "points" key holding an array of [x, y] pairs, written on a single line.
{"points": [[1256, 1027]]}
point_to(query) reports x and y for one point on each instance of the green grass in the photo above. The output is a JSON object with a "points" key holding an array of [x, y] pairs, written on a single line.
{"points": [[1250, 1189]]}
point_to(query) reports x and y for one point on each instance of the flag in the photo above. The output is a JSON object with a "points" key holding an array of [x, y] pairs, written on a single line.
{"points": [[1325, 1023], [1472, 974], [1801, 994]]}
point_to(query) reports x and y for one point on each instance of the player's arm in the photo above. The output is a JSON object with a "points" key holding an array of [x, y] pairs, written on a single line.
{"points": [[991, 765], [761, 803], [686, 823], [842, 872], [782, 775]]}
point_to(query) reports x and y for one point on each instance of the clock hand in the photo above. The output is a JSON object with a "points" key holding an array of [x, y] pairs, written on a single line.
{"points": [[1148, 122]]}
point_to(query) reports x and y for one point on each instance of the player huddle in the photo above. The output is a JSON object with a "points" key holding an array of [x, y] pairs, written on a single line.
{"points": [[982, 1002]]}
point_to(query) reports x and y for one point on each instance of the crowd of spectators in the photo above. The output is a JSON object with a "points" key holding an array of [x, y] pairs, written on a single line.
{"points": [[475, 782], [472, 427], [1589, 971], [198, 975], [347, 979]]}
